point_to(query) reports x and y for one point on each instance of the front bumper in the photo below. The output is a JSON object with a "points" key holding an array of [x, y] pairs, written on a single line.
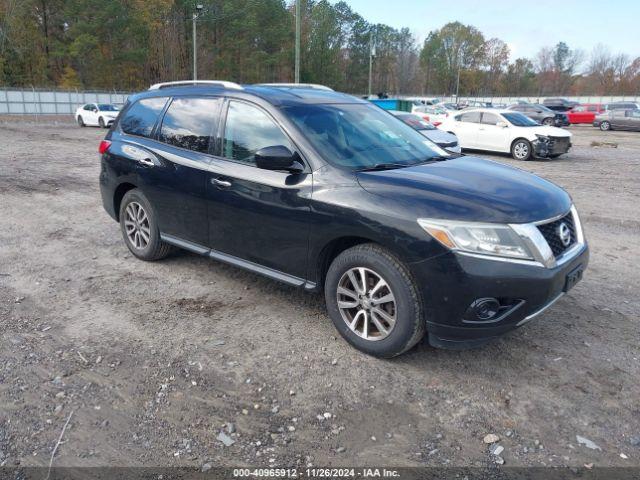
{"points": [[555, 146], [452, 282]]}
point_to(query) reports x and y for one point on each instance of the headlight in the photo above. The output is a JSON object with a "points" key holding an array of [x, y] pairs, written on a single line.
{"points": [[542, 138], [480, 238]]}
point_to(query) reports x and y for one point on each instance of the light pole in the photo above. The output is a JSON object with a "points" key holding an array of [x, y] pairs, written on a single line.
{"points": [[372, 53], [459, 66], [297, 59], [199, 8]]}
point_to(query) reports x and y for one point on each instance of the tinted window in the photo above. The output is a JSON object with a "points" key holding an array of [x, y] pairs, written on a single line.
{"points": [[88, 107], [247, 130], [489, 118], [359, 136], [189, 123], [471, 117], [142, 115], [105, 107]]}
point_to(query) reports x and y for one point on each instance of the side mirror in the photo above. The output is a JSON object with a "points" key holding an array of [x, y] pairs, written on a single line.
{"points": [[502, 124], [278, 157], [95, 110]]}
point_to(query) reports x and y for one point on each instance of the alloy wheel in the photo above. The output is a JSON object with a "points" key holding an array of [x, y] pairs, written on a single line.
{"points": [[136, 224], [366, 303]]}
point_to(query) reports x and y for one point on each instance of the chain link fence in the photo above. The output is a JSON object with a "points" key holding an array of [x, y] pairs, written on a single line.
{"points": [[35, 101]]}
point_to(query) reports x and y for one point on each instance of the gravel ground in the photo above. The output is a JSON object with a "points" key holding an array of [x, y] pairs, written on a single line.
{"points": [[155, 360]]}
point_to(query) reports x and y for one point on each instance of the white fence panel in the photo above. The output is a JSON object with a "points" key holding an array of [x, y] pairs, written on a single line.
{"points": [[16, 101]]}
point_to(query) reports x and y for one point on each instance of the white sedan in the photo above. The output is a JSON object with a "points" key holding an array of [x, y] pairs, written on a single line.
{"points": [[96, 114], [434, 114], [507, 131]]}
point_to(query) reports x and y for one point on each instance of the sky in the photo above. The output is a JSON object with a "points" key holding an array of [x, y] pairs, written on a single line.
{"points": [[525, 26]]}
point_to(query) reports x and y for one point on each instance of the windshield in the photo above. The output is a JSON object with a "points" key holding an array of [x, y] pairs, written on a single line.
{"points": [[519, 120], [359, 136], [103, 107]]}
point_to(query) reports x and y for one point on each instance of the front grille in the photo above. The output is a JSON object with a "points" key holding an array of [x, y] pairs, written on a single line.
{"points": [[551, 233], [559, 144]]}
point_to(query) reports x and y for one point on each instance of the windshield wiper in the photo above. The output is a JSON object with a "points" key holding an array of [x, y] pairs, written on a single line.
{"points": [[383, 166]]}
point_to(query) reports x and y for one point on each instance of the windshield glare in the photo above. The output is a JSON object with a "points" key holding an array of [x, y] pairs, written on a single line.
{"points": [[103, 107], [519, 120], [357, 136]]}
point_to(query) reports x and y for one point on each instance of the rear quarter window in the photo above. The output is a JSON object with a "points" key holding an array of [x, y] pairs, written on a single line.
{"points": [[141, 117], [190, 122]]}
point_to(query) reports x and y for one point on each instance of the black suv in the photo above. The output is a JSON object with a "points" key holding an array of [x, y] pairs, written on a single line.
{"points": [[325, 191]]}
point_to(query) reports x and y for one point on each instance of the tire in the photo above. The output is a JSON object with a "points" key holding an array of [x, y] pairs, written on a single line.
{"points": [[549, 122], [152, 247], [81, 121], [405, 308], [521, 149], [605, 126], [101, 122]]}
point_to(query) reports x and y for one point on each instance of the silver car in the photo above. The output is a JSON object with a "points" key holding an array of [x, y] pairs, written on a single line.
{"points": [[618, 120], [443, 139]]}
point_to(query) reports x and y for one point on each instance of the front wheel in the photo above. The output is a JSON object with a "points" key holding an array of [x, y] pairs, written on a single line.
{"points": [[521, 149], [101, 122], [605, 126], [548, 121], [373, 301], [140, 228]]}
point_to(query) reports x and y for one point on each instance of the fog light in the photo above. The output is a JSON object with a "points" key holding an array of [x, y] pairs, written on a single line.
{"points": [[483, 309]]}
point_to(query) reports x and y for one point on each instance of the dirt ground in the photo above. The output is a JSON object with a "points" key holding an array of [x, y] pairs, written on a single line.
{"points": [[154, 360]]}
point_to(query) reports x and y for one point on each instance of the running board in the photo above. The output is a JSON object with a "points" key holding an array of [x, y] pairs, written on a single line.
{"points": [[239, 262]]}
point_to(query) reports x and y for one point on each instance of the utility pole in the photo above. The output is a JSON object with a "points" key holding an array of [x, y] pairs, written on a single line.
{"points": [[297, 59], [372, 53], [199, 8], [459, 67]]}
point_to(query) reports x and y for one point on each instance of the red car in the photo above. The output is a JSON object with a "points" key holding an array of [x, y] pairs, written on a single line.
{"points": [[584, 113]]}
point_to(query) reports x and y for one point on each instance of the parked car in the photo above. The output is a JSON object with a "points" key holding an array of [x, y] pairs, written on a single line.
{"points": [[431, 113], [622, 106], [559, 104], [445, 140], [507, 131], [582, 114], [327, 192], [618, 120], [96, 114], [541, 114]]}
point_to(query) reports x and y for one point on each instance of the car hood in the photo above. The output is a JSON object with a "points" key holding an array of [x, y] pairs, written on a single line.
{"points": [[438, 136], [469, 188], [549, 131]]}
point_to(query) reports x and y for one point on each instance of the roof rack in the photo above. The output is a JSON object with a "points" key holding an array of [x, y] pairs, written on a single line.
{"points": [[187, 83], [296, 85]]}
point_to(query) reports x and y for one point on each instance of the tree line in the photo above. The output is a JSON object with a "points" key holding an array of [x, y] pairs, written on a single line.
{"points": [[129, 44]]}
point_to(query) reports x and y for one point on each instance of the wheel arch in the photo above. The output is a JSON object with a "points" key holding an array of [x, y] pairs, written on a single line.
{"points": [[119, 194]]}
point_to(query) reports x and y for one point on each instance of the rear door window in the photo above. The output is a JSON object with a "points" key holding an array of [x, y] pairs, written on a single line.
{"points": [[190, 123], [141, 117], [470, 117]]}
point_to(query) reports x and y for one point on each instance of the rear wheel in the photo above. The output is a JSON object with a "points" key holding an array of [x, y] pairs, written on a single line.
{"points": [[521, 149], [81, 121], [605, 126], [373, 301], [140, 228]]}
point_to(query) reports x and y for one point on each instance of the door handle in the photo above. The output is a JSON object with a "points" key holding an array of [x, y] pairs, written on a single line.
{"points": [[218, 182], [146, 161]]}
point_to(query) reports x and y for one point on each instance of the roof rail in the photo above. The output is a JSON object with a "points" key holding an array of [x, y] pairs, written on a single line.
{"points": [[296, 85], [187, 83]]}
